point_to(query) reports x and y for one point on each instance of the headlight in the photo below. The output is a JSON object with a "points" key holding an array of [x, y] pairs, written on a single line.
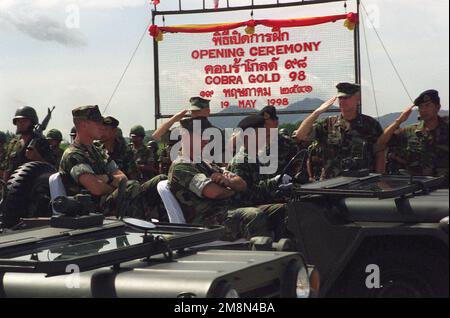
{"points": [[224, 290], [232, 293], [295, 282], [303, 287]]}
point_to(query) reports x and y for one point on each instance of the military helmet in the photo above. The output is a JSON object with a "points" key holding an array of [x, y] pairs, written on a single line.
{"points": [[26, 112], [284, 131], [137, 130], [2, 137], [152, 144], [54, 134]]}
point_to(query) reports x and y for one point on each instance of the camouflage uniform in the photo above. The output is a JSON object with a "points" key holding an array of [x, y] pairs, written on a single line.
{"points": [[58, 152], [124, 158], [316, 160], [137, 201], [143, 156], [80, 159], [342, 139], [287, 149], [187, 181], [426, 152], [15, 154]]}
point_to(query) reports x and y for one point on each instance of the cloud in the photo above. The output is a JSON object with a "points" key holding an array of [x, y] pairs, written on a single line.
{"points": [[44, 28]]}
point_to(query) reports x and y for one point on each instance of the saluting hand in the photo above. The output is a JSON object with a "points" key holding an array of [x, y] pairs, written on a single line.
{"points": [[405, 115], [179, 116], [325, 106]]}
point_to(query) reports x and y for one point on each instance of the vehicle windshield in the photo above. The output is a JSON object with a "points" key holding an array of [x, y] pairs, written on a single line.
{"points": [[69, 249]]}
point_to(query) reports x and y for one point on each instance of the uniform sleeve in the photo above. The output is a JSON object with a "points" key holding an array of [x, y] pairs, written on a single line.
{"points": [[188, 177], [75, 164], [319, 130]]}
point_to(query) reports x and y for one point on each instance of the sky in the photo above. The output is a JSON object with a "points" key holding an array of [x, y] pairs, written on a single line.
{"points": [[69, 53]]}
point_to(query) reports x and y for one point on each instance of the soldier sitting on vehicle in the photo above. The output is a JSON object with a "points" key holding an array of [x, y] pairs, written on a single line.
{"points": [[346, 136], [117, 149], [27, 146], [86, 167], [424, 144], [54, 137], [206, 194], [260, 188]]}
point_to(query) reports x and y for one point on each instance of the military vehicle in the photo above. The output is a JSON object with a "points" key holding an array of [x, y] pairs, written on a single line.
{"points": [[91, 257], [372, 235], [368, 235]]}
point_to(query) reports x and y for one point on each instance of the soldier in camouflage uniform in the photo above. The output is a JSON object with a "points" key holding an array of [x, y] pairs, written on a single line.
{"points": [[348, 135], [423, 146], [199, 108], [206, 194], [86, 167], [152, 145], [54, 137], [145, 162], [20, 150], [117, 149], [260, 188]]}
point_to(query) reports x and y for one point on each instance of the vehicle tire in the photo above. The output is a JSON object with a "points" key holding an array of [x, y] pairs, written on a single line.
{"points": [[402, 274], [28, 193]]}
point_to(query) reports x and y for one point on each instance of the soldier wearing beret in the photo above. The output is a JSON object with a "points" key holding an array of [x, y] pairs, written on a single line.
{"points": [[206, 193], [347, 135], [117, 149], [424, 145], [20, 149], [54, 137], [85, 166]]}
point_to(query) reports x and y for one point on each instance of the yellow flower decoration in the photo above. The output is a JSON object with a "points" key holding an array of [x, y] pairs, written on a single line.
{"points": [[349, 25]]}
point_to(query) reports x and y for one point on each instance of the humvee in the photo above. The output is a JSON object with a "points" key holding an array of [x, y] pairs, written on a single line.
{"points": [[368, 235], [88, 256], [374, 235]]}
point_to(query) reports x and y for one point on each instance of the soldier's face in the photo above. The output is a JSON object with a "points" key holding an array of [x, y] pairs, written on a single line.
{"points": [[271, 123], [349, 105], [109, 133], [23, 125], [137, 140], [95, 129], [428, 111], [201, 113], [54, 143]]}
